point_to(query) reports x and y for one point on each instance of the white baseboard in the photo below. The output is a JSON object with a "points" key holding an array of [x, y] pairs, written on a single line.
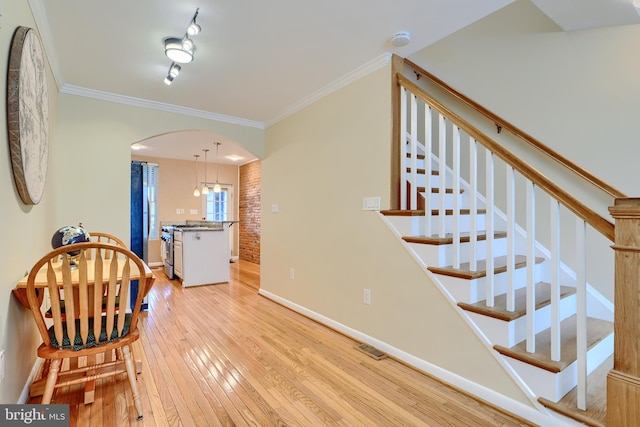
{"points": [[500, 400], [24, 395], [155, 264]]}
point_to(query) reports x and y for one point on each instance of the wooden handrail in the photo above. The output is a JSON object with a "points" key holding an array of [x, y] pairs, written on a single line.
{"points": [[578, 170], [574, 205]]}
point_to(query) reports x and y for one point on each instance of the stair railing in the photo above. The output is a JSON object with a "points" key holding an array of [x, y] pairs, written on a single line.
{"points": [[421, 114]]}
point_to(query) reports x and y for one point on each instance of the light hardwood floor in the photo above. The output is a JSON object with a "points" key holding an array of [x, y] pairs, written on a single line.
{"points": [[223, 355]]}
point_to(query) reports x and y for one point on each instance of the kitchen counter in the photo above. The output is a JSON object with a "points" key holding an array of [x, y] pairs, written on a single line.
{"points": [[202, 253]]}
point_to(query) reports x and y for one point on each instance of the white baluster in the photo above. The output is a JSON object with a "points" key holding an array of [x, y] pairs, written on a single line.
{"points": [[531, 265], [490, 229], [555, 279], [442, 165], [511, 252], [581, 311], [473, 208], [428, 169], [413, 197], [456, 196], [403, 148]]}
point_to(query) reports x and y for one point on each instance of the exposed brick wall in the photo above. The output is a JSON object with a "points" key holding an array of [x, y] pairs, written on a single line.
{"points": [[250, 185]]}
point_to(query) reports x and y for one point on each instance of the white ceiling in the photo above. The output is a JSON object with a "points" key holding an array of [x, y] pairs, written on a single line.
{"points": [[256, 61]]}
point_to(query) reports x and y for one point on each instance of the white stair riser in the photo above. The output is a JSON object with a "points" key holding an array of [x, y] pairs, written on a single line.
{"points": [[442, 255], [434, 201], [554, 386], [508, 334], [414, 225], [472, 291]]}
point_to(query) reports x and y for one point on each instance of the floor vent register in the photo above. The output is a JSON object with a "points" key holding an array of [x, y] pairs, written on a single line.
{"points": [[371, 351]]}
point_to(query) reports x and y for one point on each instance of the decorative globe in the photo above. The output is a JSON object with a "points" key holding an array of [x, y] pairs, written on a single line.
{"points": [[69, 235]]}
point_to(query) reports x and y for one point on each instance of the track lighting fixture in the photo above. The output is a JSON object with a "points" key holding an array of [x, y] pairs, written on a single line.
{"points": [[180, 49]]}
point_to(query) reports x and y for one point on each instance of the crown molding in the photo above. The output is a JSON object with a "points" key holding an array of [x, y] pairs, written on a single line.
{"points": [[169, 108], [360, 72]]}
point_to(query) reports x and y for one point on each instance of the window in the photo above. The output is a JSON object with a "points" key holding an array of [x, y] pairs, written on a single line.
{"points": [[152, 179], [217, 205]]}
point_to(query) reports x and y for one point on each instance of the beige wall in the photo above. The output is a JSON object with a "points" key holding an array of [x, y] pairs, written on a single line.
{"points": [[320, 163], [27, 230], [176, 181]]}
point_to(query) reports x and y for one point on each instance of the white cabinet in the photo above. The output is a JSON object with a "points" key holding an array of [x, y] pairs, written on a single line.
{"points": [[177, 254]]}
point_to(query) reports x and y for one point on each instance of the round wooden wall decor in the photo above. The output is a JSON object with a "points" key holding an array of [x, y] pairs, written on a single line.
{"points": [[28, 114]]}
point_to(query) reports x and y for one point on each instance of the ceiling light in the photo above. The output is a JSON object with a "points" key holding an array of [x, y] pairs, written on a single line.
{"points": [[194, 28], [175, 51], [174, 70], [180, 49], [401, 39]]}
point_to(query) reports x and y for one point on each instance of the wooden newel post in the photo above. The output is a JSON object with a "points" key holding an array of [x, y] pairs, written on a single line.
{"points": [[623, 381]]}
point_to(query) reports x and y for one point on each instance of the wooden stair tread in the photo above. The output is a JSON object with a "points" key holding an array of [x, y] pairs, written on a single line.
{"points": [[464, 272], [420, 212], [448, 238], [499, 309], [597, 330], [596, 412]]}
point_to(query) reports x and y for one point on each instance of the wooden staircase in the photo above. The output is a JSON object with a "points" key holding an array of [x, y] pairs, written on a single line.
{"points": [[443, 139], [503, 327]]}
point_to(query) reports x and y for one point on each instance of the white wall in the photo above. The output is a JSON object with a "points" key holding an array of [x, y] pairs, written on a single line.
{"points": [[320, 163], [576, 92], [26, 230]]}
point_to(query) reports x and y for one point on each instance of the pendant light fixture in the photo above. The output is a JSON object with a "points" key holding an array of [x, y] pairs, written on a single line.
{"points": [[205, 186], [217, 188], [196, 190]]}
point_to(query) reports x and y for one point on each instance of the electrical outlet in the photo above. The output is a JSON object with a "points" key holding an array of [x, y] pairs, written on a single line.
{"points": [[275, 208], [292, 273], [366, 296], [371, 203], [1, 365]]}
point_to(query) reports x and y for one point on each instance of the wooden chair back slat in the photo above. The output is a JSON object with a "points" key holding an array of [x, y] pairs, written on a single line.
{"points": [[112, 291], [83, 297], [69, 298], [124, 290], [54, 296], [97, 294]]}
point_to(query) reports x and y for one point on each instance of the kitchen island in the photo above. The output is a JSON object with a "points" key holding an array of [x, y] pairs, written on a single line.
{"points": [[202, 253]]}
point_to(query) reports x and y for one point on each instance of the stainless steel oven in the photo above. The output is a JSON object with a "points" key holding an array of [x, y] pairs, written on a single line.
{"points": [[167, 250]]}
